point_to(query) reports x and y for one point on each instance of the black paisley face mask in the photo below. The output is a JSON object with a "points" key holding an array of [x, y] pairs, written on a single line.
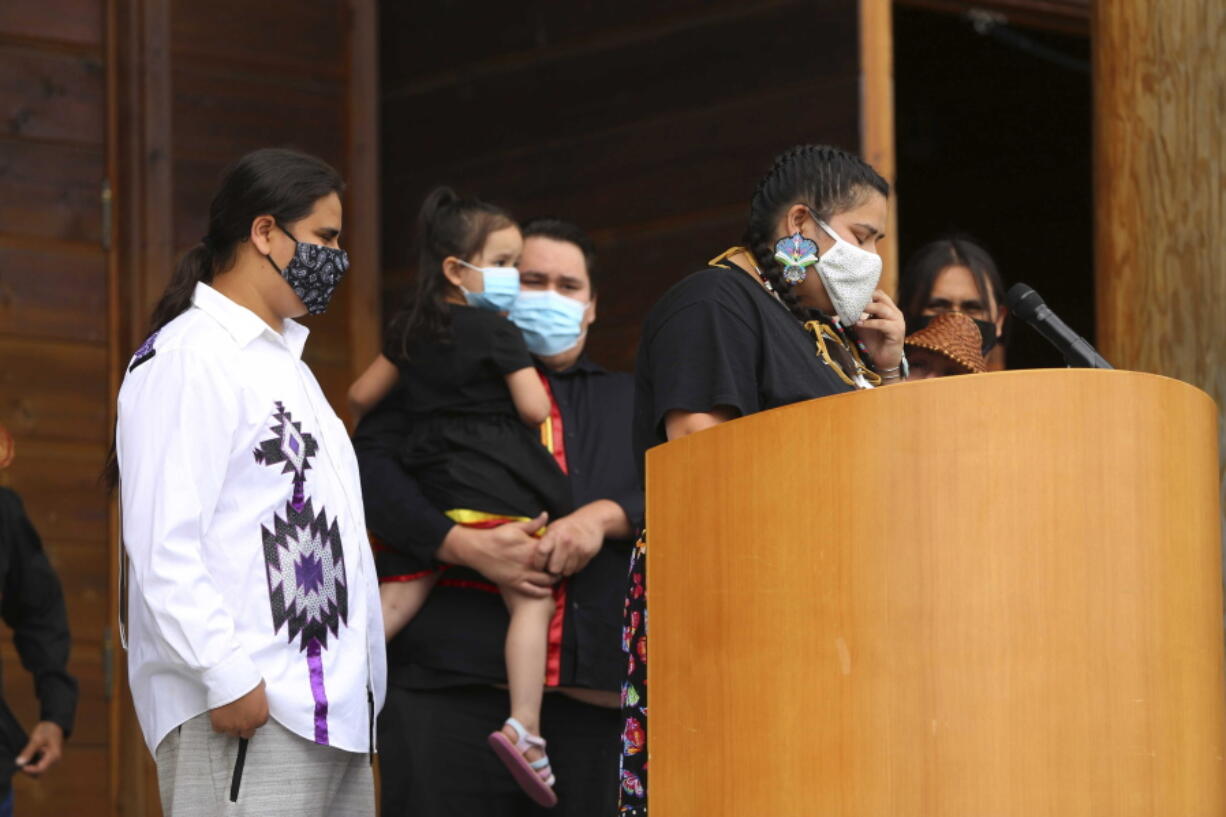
{"points": [[313, 272]]}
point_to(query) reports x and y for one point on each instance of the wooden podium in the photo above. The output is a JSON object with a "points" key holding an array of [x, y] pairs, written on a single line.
{"points": [[995, 595]]}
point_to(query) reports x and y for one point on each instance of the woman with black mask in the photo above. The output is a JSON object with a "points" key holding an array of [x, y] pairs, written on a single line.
{"points": [[956, 275]]}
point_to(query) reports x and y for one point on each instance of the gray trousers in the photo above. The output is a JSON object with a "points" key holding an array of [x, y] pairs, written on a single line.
{"points": [[283, 775]]}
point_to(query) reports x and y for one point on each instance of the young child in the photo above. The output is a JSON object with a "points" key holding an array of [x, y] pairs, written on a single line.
{"points": [[461, 374]]}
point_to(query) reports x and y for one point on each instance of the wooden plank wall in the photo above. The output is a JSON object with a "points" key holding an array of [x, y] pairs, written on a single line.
{"points": [[1160, 183], [648, 124], [53, 349]]}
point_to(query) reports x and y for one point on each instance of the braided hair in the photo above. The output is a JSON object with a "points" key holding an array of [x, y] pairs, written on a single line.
{"points": [[827, 179]]}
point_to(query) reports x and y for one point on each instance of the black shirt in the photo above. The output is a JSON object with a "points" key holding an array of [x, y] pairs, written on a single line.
{"points": [[458, 636], [718, 338], [465, 374], [33, 607], [452, 421]]}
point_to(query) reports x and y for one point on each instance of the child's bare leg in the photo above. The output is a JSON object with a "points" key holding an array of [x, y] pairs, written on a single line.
{"points": [[527, 642], [401, 601]]}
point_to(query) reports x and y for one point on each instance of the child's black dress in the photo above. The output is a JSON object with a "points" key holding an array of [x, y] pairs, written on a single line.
{"points": [[465, 443]]}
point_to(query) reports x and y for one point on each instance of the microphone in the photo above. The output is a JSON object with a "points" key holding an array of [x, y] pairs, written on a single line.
{"points": [[1027, 305]]}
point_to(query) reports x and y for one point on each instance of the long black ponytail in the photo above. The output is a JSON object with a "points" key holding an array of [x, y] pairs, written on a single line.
{"points": [[824, 178], [277, 182]]}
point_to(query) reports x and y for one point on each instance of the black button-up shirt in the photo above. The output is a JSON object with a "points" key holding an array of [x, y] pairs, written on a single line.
{"points": [[458, 636]]}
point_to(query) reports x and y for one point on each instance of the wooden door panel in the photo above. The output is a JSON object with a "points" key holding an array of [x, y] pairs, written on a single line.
{"points": [[54, 390], [221, 113], [58, 482], [53, 292], [51, 190], [82, 566], [288, 38], [86, 664], [76, 786], [50, 95], [78, 22]]}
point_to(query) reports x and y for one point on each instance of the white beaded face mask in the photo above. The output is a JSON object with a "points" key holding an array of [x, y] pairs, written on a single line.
{"points": [[850, 275]]}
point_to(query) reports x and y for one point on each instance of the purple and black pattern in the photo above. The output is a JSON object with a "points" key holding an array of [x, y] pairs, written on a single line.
{"points": [[292, 447], [145, 351], [304, 559], [306, 575]]}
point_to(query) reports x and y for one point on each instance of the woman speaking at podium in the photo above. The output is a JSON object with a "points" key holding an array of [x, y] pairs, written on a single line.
{"points": [[793, 314]]}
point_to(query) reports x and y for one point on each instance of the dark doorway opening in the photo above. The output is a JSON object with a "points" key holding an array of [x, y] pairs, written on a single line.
{"points": [[994, 139]]}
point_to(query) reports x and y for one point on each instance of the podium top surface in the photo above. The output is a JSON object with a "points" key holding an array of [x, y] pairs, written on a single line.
{"points": [[1005, 393]]}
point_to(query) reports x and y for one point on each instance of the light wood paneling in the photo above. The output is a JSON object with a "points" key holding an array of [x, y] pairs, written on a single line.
{"points": [[1160, 188], [1019, 617]]}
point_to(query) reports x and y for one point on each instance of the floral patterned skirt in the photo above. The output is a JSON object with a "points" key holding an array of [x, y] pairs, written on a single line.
{"points": [[633, 793]]}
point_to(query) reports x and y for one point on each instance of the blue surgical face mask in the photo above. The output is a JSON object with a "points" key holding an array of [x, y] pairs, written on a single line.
{"points": [[501, 285], [551, 323]]}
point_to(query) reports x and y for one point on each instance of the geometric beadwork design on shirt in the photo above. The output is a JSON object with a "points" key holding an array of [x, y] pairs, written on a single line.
{"points": [[291, 446], [305, 562]]}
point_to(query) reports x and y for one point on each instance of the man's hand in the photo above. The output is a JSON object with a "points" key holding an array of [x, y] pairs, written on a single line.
{"points": [[44, 750], [505, 555], [242, 717], [571, 542]]}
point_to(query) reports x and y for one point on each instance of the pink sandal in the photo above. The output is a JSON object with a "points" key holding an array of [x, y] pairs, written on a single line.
{"points": [[534, 777]]}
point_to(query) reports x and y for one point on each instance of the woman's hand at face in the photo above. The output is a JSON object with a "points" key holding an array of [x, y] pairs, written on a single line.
{"points": [[882, 331]]}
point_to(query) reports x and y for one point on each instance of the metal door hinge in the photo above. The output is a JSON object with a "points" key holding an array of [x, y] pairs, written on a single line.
{"points": [[108, 663], [107, 200]]}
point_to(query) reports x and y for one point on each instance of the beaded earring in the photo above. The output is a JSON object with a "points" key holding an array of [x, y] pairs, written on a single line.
{"points": [[796, 253]]}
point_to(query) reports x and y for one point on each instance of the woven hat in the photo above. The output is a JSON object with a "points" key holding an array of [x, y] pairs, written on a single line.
{"points": [[6, 448], [954, 336]]}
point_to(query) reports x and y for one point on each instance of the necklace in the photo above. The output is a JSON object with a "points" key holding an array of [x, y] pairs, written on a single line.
{"points": [[865, 376], [731, 251]]}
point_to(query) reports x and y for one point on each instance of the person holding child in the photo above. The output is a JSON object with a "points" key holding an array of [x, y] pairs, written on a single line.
{"points": [[458, 419]]}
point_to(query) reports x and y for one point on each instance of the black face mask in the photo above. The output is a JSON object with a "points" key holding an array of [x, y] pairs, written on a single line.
{"points": [[313, 272], [987, 330]]}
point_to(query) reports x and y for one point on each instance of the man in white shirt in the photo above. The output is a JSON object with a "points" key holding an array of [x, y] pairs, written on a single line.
{"points": [[255, 643]]}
